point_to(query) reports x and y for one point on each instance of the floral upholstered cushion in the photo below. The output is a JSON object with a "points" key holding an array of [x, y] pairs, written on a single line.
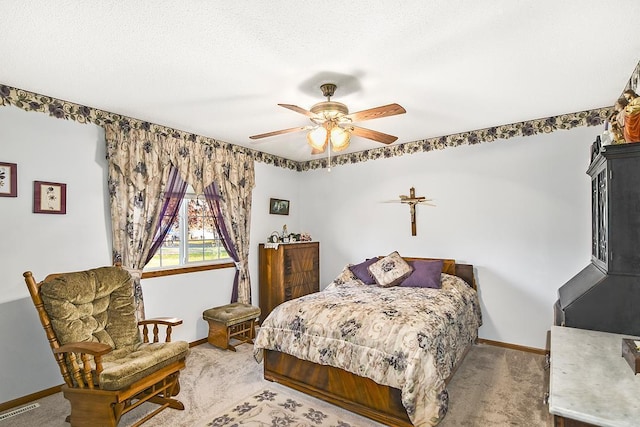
{"points": [[124, 368], [92, 306], [390, 270]]}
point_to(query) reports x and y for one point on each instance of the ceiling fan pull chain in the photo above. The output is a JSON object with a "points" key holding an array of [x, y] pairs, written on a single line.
{"points": [[329, 154]]}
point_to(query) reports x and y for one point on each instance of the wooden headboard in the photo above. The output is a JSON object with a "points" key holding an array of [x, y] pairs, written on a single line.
{"points": [[449, 266]]}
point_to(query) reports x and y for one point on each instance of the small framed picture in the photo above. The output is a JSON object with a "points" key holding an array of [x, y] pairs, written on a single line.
{"points": [[278, 207], [8, 180], [49, 197]]}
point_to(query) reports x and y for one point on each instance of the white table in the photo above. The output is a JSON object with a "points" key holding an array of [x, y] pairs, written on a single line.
{"points": [[590, 381]]}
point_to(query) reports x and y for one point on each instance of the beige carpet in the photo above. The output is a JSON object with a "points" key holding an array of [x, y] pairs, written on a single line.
{"points": [[493, 387]]}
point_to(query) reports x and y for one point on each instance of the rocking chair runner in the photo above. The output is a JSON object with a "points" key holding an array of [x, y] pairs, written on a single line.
{"points": [[108, 368]]}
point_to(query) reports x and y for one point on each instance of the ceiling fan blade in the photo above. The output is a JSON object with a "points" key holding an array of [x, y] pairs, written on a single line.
{"points": [[373, 134], [299, 110], [376, 113], [279, 132]]}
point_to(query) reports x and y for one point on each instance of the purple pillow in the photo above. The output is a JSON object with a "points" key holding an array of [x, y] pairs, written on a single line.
{"points": [[361, 271], [426, 274]]}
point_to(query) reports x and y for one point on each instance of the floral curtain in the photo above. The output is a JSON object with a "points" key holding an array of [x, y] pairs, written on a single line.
{"points": [[137, 179], [139, 165], [233, 221], [173, 194], [229, 198]]}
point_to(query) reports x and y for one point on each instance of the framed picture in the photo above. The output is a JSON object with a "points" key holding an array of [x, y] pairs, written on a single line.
{"points": [[278, 207], [49, 197], [8, 180]]}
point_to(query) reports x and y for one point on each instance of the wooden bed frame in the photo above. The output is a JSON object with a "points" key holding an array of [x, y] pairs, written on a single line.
{"points": [[344, 389]]}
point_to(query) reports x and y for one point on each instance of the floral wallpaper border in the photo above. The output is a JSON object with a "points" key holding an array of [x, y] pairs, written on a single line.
{"points": [[30, 101], [547, 125], [60, 109]]}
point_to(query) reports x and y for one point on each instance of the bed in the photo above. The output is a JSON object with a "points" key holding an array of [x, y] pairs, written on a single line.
{"points": [[383, 352]]}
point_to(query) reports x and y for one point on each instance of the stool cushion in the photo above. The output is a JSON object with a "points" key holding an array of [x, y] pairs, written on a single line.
{"points": [[232, 314]]}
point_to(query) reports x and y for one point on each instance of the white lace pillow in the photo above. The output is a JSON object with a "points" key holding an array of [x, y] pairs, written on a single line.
{"points": [[390, 270]]}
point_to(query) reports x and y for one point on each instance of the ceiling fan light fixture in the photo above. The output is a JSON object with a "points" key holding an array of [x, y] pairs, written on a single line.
{"points": [[339, 138], [317, 137], [330, 109]]}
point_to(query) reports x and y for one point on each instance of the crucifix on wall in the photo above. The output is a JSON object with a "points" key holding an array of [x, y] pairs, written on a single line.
{"points": [[412, 200]]}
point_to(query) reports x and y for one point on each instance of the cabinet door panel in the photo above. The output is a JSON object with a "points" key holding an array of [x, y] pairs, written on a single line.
{"points": [[301, 272], [300, 259]]}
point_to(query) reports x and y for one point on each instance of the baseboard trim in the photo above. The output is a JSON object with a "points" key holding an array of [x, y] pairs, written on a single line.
{"points": [[53, 390], [197, 342], [29, 398], [512, 346]]}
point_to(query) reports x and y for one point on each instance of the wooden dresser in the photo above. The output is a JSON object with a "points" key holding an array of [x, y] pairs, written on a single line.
{"points": [[289, 271]]}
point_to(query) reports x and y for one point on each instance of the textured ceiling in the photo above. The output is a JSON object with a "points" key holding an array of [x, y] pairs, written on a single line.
{"points": [[218, 68]]}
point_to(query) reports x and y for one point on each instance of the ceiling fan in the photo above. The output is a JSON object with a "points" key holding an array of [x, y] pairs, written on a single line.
{"points": [[333, 125]]}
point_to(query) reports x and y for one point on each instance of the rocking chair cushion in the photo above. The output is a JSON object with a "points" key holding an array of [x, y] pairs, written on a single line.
{"points": [[144, 360], [92, 306], [97, 305]]}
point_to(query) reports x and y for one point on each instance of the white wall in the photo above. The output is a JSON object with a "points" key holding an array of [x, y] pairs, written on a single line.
{"points": [[47, 149], [519, 210]]}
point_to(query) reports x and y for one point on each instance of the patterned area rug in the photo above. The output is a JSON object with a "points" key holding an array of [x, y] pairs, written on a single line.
{"points": [[271, 408]]}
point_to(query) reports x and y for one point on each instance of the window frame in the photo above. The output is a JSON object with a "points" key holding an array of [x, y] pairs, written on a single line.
{"points": [[184, 270], [184, 233]]}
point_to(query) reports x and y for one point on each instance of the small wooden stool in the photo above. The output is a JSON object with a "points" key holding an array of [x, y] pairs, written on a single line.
{"points": [[234, 320]]}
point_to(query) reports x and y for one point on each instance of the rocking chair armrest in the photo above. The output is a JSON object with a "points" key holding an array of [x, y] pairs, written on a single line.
{"points": [[169, 322], [92, 348], [78, 371]]}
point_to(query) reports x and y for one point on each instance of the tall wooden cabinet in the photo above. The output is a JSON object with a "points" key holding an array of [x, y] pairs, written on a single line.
{"points": [[288, 272], [615, 209], [605, 295]]}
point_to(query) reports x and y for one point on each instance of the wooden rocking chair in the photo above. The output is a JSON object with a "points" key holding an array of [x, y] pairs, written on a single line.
{"points": [[107, 366]]}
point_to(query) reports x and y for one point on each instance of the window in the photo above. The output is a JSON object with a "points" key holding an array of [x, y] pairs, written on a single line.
{"points": [[192, 239]]}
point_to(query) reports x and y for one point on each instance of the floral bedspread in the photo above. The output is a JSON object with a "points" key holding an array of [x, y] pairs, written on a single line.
{"points": [[407, 338]]}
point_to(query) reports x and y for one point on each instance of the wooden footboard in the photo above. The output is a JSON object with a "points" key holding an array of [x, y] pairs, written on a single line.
{"points": [[344, 389]]}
